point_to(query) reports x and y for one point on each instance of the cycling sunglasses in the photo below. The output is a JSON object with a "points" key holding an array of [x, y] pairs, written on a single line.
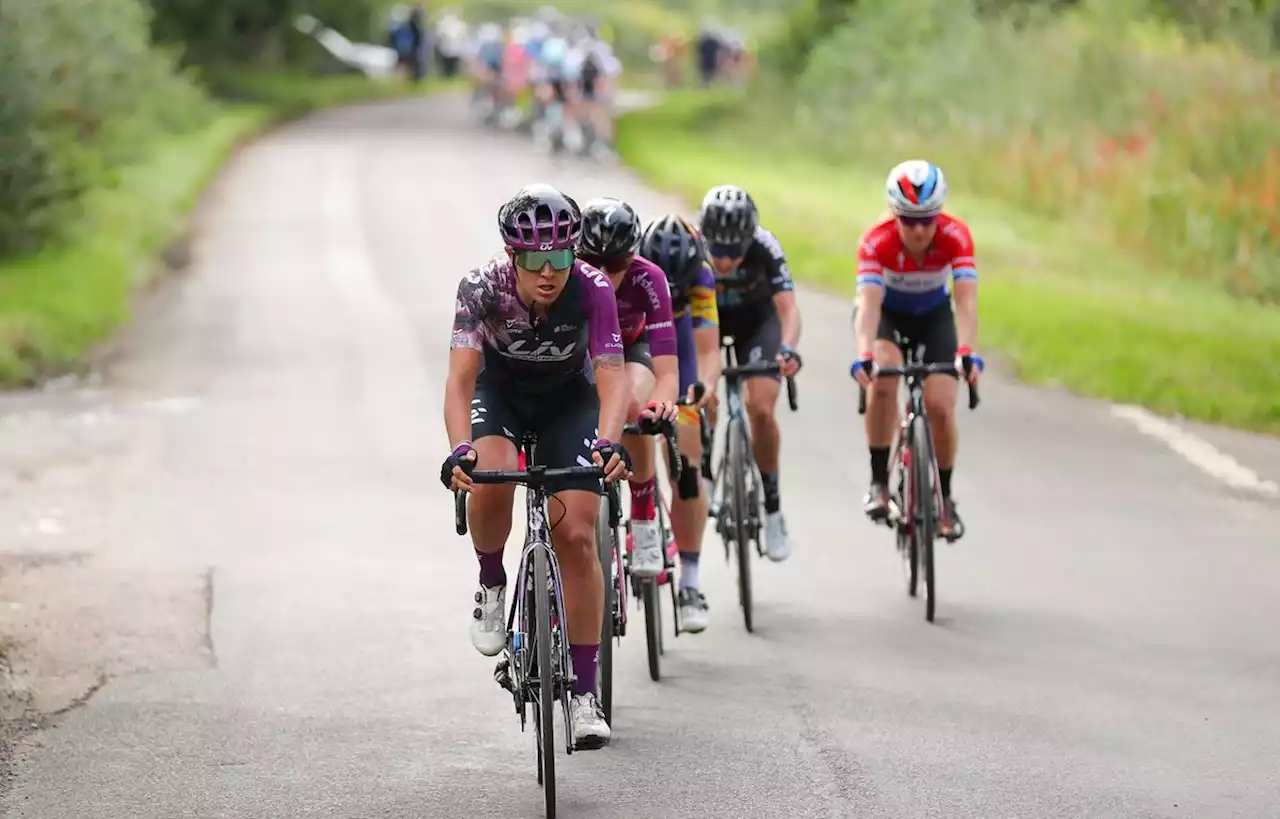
{"points": [[917, 221], [535, 260], [727, 251], [609, 264]]}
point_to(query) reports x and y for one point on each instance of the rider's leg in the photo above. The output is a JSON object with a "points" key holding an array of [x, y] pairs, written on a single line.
{"points": [[689, 501], [489, 517], [646, 554], [761, 403], [940, 403], [882, 415], [564, 440]]}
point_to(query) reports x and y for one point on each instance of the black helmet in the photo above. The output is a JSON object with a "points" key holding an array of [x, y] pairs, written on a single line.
{"points": [[672, 244], [610, 229], [728, 216], [540, 217]]}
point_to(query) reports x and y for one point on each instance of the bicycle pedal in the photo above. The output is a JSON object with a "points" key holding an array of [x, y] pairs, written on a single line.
{"points": [[502, 676]]}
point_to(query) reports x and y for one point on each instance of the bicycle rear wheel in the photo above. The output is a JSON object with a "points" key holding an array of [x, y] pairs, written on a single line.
{"points": [[544, 708], [605, 544], [926, 511], [737, 443]]}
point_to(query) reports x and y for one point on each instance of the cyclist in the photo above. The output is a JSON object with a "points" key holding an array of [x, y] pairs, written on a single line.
{"points": [[550, 92], [757, 304], [595, 71], [526, 324], [610, 237], [486, 63], [904, 263], [675, 246]]}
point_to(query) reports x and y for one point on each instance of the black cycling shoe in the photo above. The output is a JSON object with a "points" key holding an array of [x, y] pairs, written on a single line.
{"points": [[876, 502], [950, 527]]}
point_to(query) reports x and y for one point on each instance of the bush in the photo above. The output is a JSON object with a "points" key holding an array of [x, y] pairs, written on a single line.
{"points": [[1172, 148], [83, 93]]}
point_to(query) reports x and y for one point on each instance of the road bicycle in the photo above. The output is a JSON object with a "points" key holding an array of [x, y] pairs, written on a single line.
{"points": [[915, 503], [537, 668], [737, 480], [647, 589]]}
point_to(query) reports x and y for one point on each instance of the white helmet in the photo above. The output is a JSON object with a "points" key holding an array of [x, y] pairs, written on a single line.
{"points": [[489, 33], [916, 188]]}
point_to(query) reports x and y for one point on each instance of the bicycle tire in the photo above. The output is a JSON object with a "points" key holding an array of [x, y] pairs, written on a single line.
{"points": [[737, 473], [605, 547], [904, 527], [926, 520], [653, 628], [543, 718]]}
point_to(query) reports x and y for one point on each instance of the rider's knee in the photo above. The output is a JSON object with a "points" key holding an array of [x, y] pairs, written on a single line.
{"points": [[761, 405], [940, 404], [885, 390], [575, 543]]}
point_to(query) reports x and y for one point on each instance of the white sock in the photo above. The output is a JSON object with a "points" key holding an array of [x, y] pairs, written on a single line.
{"points": [[688, 573]]}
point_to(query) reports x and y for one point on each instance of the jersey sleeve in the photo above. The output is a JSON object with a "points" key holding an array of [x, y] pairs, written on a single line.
{"points": [[779, 272], [660, 328], [963, 268], [870, 270], [702, 299], [604, 335], [471, 310]]}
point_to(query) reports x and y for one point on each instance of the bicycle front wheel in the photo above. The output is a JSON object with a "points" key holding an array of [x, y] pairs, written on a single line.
{"points": [[738, 465], [926, 511], [544, 709], [606, 546], [653, 627]]}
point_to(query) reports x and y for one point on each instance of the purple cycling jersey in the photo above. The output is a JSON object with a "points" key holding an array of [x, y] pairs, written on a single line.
{"points": [[536, 354], [644, 306]]}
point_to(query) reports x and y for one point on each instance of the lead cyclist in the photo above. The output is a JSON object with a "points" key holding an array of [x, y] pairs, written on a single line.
{"points": [[904, 265]]}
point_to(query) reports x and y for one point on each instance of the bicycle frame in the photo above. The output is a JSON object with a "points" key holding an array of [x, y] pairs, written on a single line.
{"points": [[736, 419], [901, 459]]}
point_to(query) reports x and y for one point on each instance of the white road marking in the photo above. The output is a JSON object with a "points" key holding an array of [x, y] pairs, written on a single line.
{"points": [[1198, 452]]}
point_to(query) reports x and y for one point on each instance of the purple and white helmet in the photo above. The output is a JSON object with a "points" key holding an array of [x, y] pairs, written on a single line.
{"points": [[540, 217]]}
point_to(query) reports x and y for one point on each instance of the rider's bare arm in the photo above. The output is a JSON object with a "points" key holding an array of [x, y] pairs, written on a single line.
{"points": [[459, 390], [966, 297], [614, 388], [707, 342], [789, 315], [666, 386], [870, 298]]}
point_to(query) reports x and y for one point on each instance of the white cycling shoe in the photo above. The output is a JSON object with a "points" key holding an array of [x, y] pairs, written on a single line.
{"points": [[590, 730], [695, 615], [488, 626], [647, 559], [777, 544]]}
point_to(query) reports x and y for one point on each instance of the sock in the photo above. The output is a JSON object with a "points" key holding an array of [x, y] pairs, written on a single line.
{"points": [[492, 573], [879, 464], [945, 476], [688, 570], [642, 506], [584, 667], [772, 500]]}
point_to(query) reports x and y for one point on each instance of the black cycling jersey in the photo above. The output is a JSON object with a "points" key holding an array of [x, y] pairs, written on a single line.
{"points": [[762, 274]]}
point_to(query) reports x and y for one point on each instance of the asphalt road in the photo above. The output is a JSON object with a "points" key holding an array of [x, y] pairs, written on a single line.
{"points": [[242, 532]]}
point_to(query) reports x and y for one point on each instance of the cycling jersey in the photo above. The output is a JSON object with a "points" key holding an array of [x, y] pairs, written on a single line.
{"points": [[912, 288], [699, 300], [762, 274], [644, 307], [535, 355], [490, 55]]}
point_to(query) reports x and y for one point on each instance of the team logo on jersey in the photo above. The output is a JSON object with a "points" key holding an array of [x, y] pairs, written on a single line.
{"points": [[545, 351]]}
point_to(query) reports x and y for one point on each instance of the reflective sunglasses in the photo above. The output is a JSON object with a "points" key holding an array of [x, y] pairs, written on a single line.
{"points": [[609, 264], [726, 251], [917, 221], [535, 260]]}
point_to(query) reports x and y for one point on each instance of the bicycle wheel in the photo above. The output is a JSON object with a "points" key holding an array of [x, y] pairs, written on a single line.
{"points": [[738, 465], [605, 536], [544, 708], [653, 627], [904, 528], [926, 522]]}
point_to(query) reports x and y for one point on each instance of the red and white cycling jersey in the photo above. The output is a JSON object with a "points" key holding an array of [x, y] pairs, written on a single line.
{"points": [[910, 287]]}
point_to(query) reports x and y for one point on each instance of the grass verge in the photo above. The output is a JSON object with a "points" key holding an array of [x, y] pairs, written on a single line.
{"points": [[57, 304], [1060, 304]]}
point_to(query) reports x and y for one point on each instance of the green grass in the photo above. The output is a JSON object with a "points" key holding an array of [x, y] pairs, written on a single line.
{"points": [[58, 303], [1059, 304]]}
